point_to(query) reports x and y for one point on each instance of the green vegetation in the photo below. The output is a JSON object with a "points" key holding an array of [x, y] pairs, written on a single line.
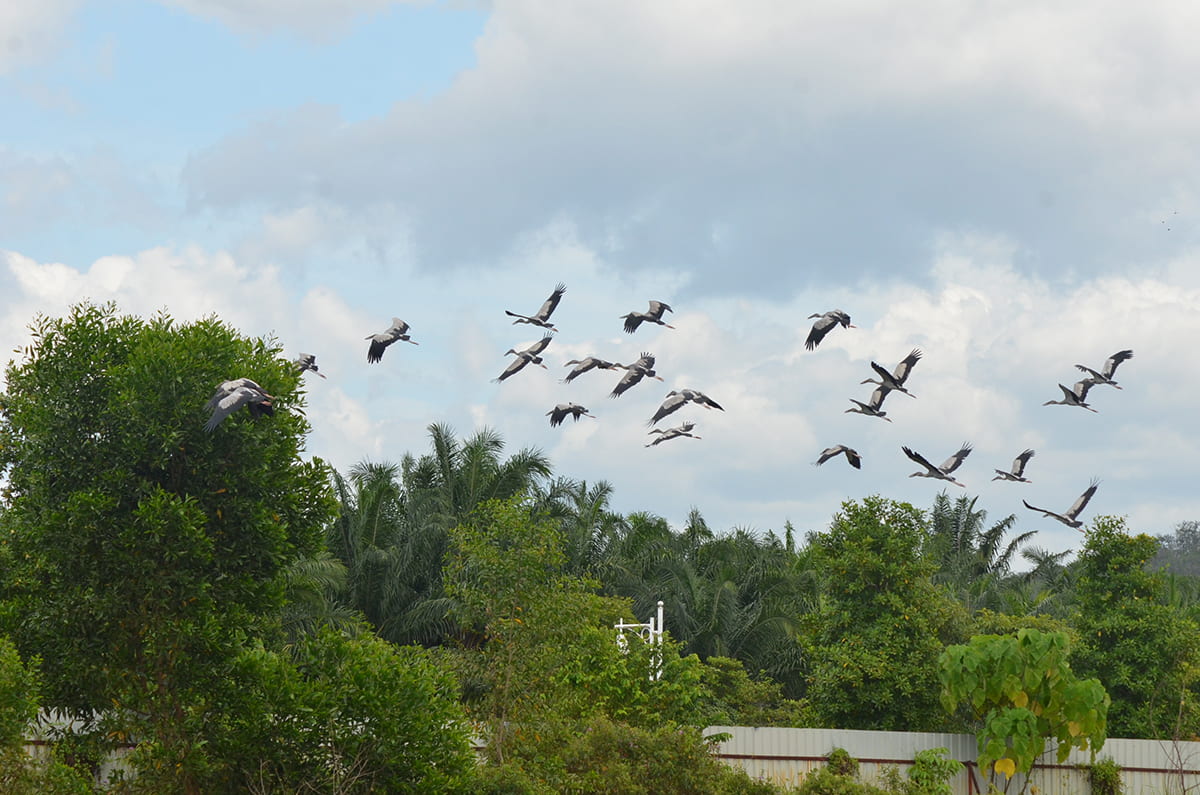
{"points": [[249, 619]]}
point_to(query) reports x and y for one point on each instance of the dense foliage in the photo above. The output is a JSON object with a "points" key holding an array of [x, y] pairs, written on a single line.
{"points": [[244, 616]]}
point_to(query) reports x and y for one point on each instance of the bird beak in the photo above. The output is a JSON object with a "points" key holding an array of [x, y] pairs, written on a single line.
{"points": [[668, 325]]}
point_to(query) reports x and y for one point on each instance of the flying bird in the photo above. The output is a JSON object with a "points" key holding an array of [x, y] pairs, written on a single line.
{"points": [[1018, 469], [527, 356], [824, 325], [1105, 376], [677, 399], [895, 380], [673, 433], [851, 455], [1070, 517], [542, 318], [560, 412], [397, 332], [654, 315], [588, 363], [232, 395], [872, 407], [642, 368], [1077, 396], [306, 361], [943, 472]]}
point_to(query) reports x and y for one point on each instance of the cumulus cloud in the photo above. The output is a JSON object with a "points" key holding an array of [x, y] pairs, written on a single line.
{"points": [[316, 19], [765, 146]]}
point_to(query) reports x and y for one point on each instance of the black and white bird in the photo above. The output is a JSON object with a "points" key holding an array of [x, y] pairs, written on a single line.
{"points": [[560, 412], [1018, 469], [523, 357], [585, 364], [542, 317], [852, 455], [1105, 376], [943, 472], [232, 395], [825, 323], [306, 361], [654, 315], [673, 433], [397, 332], [1076, 396], [895, 379], [677, 399], [873, 406], [1071, 517], [634, 373]]}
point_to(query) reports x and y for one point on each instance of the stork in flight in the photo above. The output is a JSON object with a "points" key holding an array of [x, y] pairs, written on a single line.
{"points": [[1018, 469], [560, 412], [852, 455], [306, 361], [527, 356], [677, 399], [895, 380], [1105, 376], [1070, 518], [589, 363], [1077, 396], [943, 472], [542, 318], [673, 433], [642, 368], [872, 408], [824, 325], [653, 315], [397, 332], [232, 395]]}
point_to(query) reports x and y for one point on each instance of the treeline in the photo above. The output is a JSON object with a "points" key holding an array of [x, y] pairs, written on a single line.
{"points": [[251, 621]]}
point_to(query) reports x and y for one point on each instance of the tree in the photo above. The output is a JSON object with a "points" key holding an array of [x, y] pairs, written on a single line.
{"points": [[1022, 693], [1146, 653], [875, 642], [144, 548]]}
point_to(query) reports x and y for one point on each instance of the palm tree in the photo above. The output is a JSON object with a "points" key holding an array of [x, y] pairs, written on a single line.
{"points": [[973, 560]]}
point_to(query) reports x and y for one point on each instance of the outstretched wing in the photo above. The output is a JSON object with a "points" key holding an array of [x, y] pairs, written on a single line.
{"points": [[230, 403], [819, 329], [629, 379], [1081, 388], [906, 365], [953, 462], [539, 346], [551, 302], [673, 403], [513, 367], [657, 308], [1018, 467], [1082, 502], [632, 321], [920, 459], [1110, 366], [877, 397]]}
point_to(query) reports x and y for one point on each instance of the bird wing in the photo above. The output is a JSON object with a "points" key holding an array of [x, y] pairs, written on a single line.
{"points": [[705, 400], [632, 321], [1082, 502], [514, 366], [379, 344], [673, 402], [883, 373], [1042, 510], [630, 378], [557, 414], [877, 396], [920, 459], [1110, 366], [1018, 467], [551, 302], [953, 462], [230, 403], [828, 453], [398, 328], [1084, 369], [646, 361], [819, 329], [906, 365], [539, 346], [1081, 388], [853, 457], [657, 308]]}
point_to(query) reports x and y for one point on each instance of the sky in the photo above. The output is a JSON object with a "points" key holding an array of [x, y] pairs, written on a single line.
{"points": [[1009, 187]]}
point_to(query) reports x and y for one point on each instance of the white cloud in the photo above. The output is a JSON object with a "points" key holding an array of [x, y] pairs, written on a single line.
{"points": [[29, 30], [317, 19]]}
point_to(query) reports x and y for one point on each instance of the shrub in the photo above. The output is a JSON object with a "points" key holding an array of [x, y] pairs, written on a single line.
{"points": [[1105, 777]]}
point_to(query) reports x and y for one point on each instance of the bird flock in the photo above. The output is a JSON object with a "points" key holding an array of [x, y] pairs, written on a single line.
{"points": [[232, 395], [889, 381]]}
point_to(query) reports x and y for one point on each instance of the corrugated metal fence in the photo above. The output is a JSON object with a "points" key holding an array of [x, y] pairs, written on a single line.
{"points": [[785, 756]]}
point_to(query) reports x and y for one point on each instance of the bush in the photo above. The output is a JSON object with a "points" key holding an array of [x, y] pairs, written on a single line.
{"points": [[1105, 777]]}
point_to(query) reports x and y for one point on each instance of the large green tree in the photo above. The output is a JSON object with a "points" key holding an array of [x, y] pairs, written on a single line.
{"points": [[1145, 652], [145, 549], [874, 644]]}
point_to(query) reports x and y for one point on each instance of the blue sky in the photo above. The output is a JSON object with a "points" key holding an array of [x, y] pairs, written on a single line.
{"points": [[1011, 189]]}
